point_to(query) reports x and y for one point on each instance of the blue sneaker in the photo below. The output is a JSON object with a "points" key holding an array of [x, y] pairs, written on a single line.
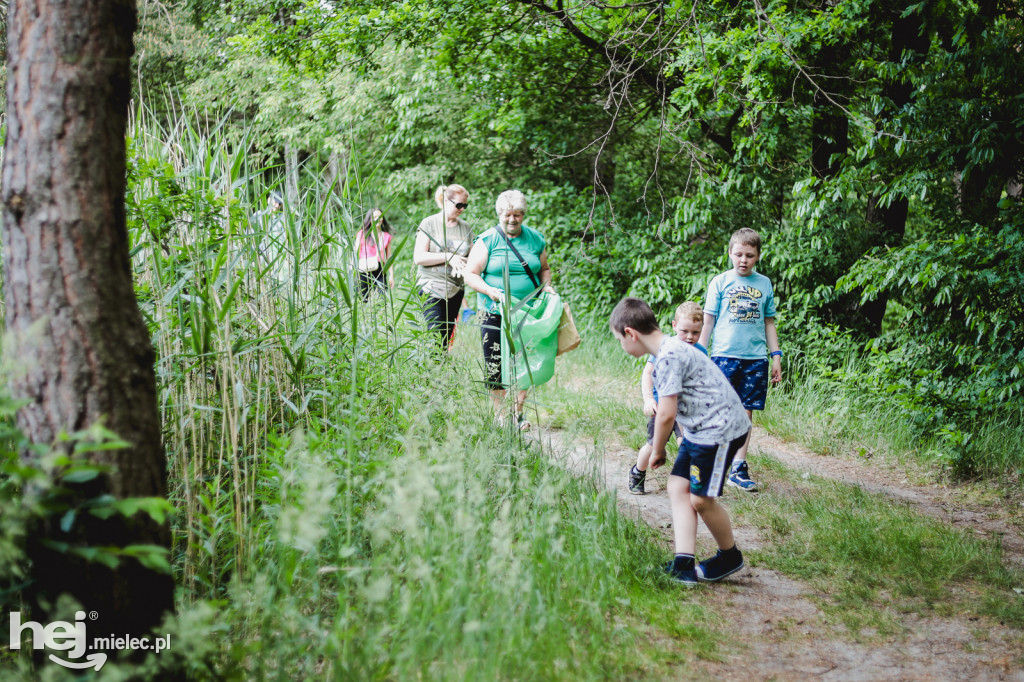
{"points": [[739, 477], [687, 577], [719, 566]]}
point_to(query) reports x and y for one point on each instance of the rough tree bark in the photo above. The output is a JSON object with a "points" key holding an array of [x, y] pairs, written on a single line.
{"points": [[80, 346]]}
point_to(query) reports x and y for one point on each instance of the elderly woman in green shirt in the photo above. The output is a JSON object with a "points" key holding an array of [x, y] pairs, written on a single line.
{"points": [[492, 255]]}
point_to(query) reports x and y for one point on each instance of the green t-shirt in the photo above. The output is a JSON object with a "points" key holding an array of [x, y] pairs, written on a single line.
{"points": [[531, 245]]}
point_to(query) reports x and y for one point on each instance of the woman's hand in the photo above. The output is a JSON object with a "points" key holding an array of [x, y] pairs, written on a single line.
{"points": [[548, 288], [458, 264], [496, 295]]}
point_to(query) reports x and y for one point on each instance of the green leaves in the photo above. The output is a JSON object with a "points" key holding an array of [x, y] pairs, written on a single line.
{"points": [[152, 557]]}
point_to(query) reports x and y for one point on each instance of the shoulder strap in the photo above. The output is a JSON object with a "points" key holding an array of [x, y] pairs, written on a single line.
{"points": [[533, 278]]}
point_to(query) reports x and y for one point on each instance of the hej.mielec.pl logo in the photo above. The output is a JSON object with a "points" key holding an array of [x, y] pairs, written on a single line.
{"points": [[71, 638]]}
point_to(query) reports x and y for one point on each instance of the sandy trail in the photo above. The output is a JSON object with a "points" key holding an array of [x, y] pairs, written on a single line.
{"points": [[779, 631]]}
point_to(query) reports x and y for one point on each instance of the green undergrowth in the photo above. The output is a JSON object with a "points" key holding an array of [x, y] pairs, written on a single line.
{"points": [[872, 558], [444, 549], [842, 411], [593, 396]]}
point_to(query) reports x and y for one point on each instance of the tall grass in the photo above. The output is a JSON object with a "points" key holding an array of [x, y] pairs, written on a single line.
{"points": [[347, 508]]}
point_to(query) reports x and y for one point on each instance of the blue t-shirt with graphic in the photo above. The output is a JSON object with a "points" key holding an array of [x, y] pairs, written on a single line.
{"points": [[740, 306], [652, 358]]}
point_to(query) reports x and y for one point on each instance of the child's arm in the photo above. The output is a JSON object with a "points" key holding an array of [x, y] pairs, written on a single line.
{"points": [[705, 331], [667, 404], [772, 337], [647, 390]]}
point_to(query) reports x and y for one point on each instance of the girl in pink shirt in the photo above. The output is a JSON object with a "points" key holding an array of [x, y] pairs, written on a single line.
{"points": [[373, 249]]}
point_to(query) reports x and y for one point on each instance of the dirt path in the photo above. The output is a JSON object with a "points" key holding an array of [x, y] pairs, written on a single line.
{"points": [[779, 631]]}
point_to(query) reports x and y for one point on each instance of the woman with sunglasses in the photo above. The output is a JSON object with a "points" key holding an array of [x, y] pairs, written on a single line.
{"points": [[443, 241]]}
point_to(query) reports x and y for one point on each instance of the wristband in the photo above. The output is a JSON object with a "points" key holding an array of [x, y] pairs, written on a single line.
{"points": [[774, 353]]}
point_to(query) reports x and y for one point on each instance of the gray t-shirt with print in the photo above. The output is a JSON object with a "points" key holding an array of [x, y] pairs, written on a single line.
{"points": [[709, 410], [438, 280]]}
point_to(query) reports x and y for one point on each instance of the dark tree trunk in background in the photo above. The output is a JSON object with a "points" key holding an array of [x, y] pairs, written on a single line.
{"points": [[890, 221], [80, 347], [830, 95], [830, 126]]}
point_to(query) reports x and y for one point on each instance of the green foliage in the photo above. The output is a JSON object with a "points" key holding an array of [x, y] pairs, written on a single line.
{"points": [[964, 290], [54, 489]]}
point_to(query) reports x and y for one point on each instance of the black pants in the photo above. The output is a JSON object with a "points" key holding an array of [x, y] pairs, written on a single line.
{"points": [[440, 315], [369, 281], [490, 335]]}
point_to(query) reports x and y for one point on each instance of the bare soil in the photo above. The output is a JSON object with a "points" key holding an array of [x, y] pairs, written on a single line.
{"points": [[778, 631]]}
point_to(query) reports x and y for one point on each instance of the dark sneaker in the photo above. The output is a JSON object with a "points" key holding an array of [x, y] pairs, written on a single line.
{"points": [[719, 566], [739, 477], [636, 481], [687, 577]]}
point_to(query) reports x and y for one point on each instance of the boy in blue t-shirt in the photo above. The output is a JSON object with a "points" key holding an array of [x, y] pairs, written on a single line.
{"points": [[739, 317], [688, 322]]}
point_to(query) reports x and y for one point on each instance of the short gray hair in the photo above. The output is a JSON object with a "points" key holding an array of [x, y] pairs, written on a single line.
{"points": [[510, 199]]}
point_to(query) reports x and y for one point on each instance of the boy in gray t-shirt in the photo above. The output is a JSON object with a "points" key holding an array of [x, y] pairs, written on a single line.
{"points": [[693, 393]]}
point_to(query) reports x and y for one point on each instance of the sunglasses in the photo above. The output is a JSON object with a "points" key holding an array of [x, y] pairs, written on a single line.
{"points": [[457, 204]]}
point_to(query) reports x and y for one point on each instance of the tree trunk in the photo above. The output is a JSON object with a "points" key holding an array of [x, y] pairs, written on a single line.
{"points": [[337, 172], [291, 175], [891, 224], [890, 221], [830, 126], [79, 342]]}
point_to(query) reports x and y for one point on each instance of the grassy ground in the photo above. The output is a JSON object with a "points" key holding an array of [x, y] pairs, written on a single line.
{"points": [[443, 548], [871, 558]]}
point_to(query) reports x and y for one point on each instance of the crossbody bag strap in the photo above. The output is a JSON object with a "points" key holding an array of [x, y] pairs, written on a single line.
{"points": [[533, 278]]}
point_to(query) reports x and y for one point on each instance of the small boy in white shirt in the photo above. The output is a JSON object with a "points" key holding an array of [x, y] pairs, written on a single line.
{"points": [[688, 322]]}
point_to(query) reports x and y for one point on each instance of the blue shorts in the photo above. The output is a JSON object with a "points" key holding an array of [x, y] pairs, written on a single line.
{"points": [[748, 377], [706, 465]]}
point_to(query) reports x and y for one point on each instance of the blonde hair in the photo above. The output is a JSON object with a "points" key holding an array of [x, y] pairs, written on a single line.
{"points": [[690, 311], [444, 190]]}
